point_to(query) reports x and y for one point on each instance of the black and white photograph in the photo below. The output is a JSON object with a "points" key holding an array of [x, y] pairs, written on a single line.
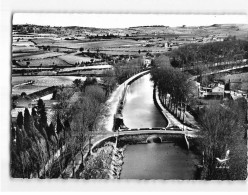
{"points": [[128, 96]]}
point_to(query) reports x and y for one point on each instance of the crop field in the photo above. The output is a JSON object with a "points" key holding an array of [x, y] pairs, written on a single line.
{"points": [[23, 43], [40, 56], [17, 55], [95, 44], [45, 62], [23, 49], [46, 81], [73, 58], [27, 89], [44, 41]]}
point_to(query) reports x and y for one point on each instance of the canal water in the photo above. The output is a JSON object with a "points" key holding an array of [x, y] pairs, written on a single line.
{"points": [[139, 109], [158, 161], [152, 161]]}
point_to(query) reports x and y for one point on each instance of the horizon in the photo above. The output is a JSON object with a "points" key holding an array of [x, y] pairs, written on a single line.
{"points": [[124, 20]]}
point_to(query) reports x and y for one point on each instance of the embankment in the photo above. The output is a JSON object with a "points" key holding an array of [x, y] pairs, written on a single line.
{"points": [[118, 119]]}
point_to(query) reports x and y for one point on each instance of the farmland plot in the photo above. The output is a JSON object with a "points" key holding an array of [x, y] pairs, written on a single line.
{"points": [[73, 58], [95, 44], [24, 49], [17, 55], [40, 56], [44, 41], [23, 43], [46, 81], [28, 89], [45, 62]]}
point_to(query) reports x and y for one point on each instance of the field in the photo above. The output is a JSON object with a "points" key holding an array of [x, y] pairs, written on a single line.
{"points": [[73, 58], [45, 62], [40, 82], [26, 88], [43, 41], [39, 56], [23, 43], [46, 80], [17, 55], [24, 49], [87, 45]]}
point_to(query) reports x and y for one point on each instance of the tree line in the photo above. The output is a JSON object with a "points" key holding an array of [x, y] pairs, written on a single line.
{"points": [[173, 86], [190, 55]]}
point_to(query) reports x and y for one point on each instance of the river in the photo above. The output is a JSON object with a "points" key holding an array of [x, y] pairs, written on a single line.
{"points": [[152, 161]]}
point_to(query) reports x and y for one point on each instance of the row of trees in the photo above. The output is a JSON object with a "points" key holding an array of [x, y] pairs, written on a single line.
{"points": [[173, 85], [209, 53], [32, 141]]}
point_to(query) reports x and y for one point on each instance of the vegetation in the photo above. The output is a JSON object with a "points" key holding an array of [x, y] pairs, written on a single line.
{"points": [[209, 54], [224, 128], [98, 165], [173, 85], [125, 70], [34, 142]]}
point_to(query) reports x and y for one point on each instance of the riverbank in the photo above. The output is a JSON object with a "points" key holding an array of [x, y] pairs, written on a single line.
{"points": [[172, 120]]}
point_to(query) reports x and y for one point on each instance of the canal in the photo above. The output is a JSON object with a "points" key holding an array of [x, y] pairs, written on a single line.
{"points": [[139, 109], [152, 161]]}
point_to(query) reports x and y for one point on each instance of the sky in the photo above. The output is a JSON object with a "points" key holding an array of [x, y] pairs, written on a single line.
{"points": [[125, 20]]}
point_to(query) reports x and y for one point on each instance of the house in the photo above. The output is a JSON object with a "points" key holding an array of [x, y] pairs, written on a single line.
{"points": [[147, 61], [215, 90]]}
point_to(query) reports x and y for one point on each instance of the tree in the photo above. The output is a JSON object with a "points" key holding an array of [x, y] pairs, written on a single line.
{"points": [[109, 80], [19, 120], [34, 113], [77, 82], [59, 125], [88, 81], [222, 130], [23, 94], [81, 49], [41, 111], [27, 125]]}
